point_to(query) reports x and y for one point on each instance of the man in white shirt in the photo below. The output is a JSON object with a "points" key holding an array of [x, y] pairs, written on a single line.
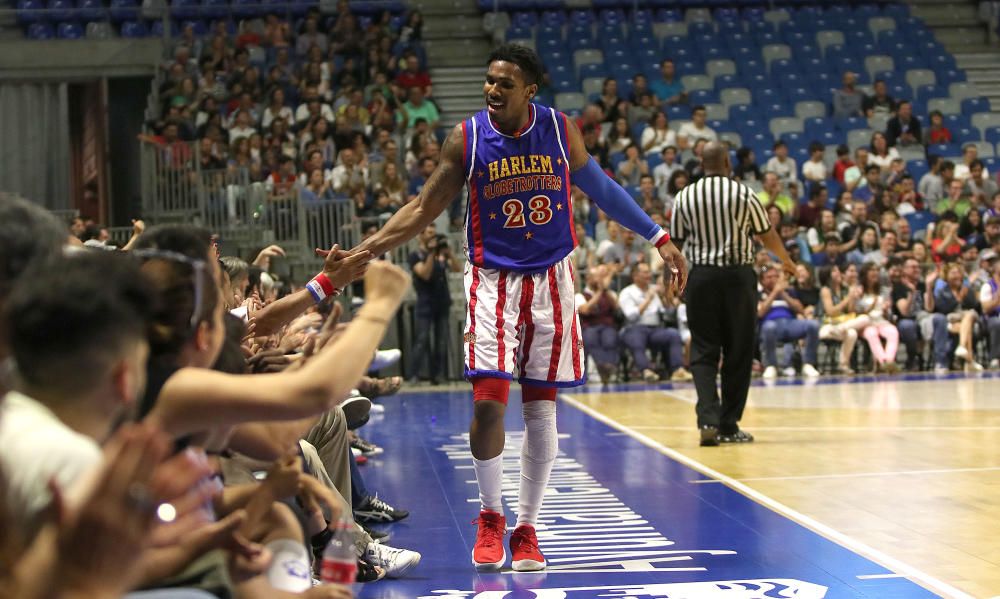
{"points": [[348, 176], [696, 129], [242, 127], [663, 172], [783, 166], [643, 307], [970, 153], [814, 169], [81, 366], [312, 106]]}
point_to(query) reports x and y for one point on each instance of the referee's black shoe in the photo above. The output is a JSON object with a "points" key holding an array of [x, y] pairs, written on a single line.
{"points": [[739, 436], [709, 436]]}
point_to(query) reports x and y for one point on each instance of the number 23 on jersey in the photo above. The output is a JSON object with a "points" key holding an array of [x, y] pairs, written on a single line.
{"points": [[540, 211]]}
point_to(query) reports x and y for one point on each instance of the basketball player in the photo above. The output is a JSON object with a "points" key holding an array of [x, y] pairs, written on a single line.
{"points": [[518, 159]]}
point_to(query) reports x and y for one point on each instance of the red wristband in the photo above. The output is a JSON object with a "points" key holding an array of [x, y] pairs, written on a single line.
{"points": [[663, 240], [321, 287]]}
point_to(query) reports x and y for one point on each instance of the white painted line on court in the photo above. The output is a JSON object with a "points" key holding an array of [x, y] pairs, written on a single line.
{"points": [[856, 474], [851, 543], [874, 576], [874, 429]]}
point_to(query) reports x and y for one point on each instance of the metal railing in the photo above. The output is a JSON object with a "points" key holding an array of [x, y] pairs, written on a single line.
{"points": [[245, 214]]}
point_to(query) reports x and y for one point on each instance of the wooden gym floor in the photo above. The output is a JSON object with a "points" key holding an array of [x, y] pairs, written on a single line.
{"points": [[906, 466]]}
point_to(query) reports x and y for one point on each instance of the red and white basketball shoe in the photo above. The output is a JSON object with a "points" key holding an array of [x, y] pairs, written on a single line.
{"points": [[488, 555], [524, 551]]}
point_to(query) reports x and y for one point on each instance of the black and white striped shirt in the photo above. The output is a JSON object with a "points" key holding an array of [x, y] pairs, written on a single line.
{"points": [[717, 218]]}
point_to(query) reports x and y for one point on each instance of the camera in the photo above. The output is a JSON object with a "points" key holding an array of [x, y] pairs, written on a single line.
{"points": [[441, 243]]}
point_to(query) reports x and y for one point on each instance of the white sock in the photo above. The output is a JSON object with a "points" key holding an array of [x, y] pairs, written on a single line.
{"points": [[489, 474], [289, 569], [538, 453]]}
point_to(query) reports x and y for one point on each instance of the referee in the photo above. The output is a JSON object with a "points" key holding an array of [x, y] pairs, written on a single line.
{"points": [[716, 220]]}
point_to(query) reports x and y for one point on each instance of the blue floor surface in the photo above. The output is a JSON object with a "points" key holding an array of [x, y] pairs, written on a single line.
{"points": [[620, 520]]}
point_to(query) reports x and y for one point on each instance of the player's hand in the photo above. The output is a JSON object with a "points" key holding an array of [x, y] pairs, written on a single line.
{"points": [[343, 268], [674, 265]]}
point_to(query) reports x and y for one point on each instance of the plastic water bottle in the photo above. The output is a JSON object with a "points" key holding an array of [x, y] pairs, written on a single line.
{"points": [[340, 562]]}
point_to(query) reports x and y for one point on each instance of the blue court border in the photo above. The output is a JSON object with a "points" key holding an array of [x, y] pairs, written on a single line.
{"points": [[773, 555]]}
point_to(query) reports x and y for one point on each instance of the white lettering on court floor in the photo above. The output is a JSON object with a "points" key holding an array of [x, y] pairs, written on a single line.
{"points": [[583, 526]]}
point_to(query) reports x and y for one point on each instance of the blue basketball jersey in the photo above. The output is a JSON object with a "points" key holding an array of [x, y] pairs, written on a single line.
{"points": [[519, 214]]}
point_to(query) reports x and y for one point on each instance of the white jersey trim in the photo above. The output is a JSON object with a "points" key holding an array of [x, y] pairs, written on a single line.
{"points": [[555, 123], [472, 153]]}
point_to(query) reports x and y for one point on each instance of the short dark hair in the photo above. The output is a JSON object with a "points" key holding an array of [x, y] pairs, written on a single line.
{"points": [[697, 107], [816, 147], [843, 150], [525, 58], [778, 144], [976, 163], [28, 233], [68, 340], [947, 164], [932, 160]]}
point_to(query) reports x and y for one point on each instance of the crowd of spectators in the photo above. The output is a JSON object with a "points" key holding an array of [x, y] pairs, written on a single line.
{"points": [[321, 108], [174, 418], [855, 226]]}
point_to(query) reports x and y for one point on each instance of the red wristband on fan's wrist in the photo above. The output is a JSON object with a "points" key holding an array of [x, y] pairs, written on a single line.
{"points": [[321, 287], [663, 240]]}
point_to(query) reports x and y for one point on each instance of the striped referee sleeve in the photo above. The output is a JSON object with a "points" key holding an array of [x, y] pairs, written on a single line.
{"points": [[759, 222]]}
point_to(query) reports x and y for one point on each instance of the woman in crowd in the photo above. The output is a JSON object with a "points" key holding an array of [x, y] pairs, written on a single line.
{"points": [[746, 166], [678, 181], [867, 246], [945, 242], [835, 311], [657, 135], [958, 303], [276, 108], [971, 229], [873, 304], [620, 137], [609, 102], [806, 290], [826, 227], [881, 154]]}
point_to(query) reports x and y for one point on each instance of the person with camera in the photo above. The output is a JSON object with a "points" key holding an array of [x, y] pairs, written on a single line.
{"points": [[431, 263]]}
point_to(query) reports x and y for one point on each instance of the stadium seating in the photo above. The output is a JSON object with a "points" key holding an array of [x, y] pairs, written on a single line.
{"points": [[763, 74]]}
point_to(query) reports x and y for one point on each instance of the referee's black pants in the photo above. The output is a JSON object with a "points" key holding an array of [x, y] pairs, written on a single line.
{"points": [[722, 315]]}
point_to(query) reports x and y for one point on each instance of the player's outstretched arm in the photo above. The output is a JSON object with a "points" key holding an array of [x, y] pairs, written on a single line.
{"points": [[609, 196], [440, 189]]}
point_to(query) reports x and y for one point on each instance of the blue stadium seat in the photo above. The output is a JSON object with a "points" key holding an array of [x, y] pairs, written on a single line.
{"points": [[124, 10], [992, 135], [69, 31], [133, 29], [917, 168], [703, 96], [946, 77], [957, 121], [61, 10], [945, 150], [30, 11], [184, 9], [555, 18], [41, 31], [668, 15], [214, 9], [919, 220], [851, 123], [964, 135], [677, 112], [774, 110], [971, 106], [593, 70], [156, 29], [90, 10]]}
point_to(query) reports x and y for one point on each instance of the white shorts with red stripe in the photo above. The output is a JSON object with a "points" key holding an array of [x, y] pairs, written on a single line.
{"points": [[523, 326]]}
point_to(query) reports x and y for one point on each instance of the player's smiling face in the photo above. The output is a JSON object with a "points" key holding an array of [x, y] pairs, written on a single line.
{"points": [[507, 94]]}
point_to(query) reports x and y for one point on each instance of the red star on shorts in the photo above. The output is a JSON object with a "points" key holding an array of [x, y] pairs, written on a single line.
{"points": [[529, 235]]}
